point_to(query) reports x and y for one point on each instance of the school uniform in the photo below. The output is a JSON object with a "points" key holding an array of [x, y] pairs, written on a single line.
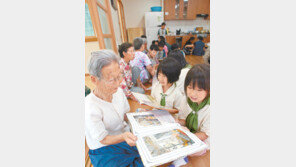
{"points": [[103, 118], [203, 118], [172, 95], [180, 82]]}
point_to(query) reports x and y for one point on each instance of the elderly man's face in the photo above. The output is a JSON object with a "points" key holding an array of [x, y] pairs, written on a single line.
{"points": [[111, 78]]}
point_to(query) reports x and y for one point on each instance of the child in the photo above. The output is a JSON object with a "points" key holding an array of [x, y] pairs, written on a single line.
{"points": [[199, 46], [175, 46], [195, 108], [161, 54], [154, 61], [152, 54], [188, 47], [165, 90]]}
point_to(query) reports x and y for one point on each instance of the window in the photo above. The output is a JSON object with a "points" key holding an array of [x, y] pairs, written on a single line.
{"points": [[98, 24]]}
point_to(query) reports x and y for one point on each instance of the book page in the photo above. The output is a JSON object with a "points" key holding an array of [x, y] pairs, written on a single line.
{"points": [[167, 144], [168, 141], [153, 119]]}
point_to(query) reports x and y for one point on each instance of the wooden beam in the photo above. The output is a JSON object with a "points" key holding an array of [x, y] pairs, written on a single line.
{"points": [[111, 27], [96, 22], [101, 6], [91, 39]]}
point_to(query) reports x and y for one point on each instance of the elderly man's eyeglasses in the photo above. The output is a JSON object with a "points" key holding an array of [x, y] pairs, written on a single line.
{"points": [[114, 80]]}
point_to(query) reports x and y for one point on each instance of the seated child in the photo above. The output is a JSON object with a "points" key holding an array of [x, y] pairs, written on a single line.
{"points": [[152, 54], [161, 54], [154, 61], [176, 47], [167, 46], [189, 46], [195, 107], [199, 47], [165, 90]]}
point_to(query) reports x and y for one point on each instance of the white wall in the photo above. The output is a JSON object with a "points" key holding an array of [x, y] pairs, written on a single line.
{"points": [[134, 11], [90, 47]]}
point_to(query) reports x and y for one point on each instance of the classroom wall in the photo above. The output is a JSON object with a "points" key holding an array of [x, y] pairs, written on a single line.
{"points": [[134, 11], [90, 47]]}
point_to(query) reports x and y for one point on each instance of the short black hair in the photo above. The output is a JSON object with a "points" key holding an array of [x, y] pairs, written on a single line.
{"points": [[154, 47], [138, 42], [163, 24], [143, 36], [161, 44], [174, 46], [170, 68], [198, 75], [178, 55], [154, 41], [200, 38], [123, 48], [162, 38]]}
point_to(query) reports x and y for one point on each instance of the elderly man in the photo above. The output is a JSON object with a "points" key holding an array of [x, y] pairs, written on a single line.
{"points": [[107, 133]]}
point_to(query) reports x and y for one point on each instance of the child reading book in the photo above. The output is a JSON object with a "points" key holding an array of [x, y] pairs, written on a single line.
{"points": [[165, 91], [195, 108]]}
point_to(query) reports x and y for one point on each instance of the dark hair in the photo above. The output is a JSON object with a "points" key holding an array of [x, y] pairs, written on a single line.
{"points": [[143, 36], [154, 41], [154, 47], [163, 24], [198, 75], [191, 38], [174, 46], [178, 56], [138, 42], [161, 44], [170, 68], [200, 38], [123, 48], [162, 38]]}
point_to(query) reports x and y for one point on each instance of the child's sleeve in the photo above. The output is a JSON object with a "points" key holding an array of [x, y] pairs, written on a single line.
{"points": [[183, 108], [205, 125]]}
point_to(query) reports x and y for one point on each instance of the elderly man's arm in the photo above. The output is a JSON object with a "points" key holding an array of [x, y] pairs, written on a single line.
{"points": [[150, 70], [115, 139]]}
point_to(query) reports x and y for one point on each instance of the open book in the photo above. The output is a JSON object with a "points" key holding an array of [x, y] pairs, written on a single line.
{"points": [[161, 139], [148, 100]]}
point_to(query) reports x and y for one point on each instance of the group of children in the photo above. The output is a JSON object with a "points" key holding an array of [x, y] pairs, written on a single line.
{"points": [[175, 84]]}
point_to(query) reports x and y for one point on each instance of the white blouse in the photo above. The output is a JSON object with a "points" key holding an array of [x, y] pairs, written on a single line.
{"points": [[181, 81], [103, 118], [172, 100], [203, 118]]}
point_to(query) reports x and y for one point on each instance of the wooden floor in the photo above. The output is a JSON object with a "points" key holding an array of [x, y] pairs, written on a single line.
{"points": [[202, 161]]}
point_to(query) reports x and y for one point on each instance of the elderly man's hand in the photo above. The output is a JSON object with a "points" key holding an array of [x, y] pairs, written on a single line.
{"points": [[129, 138]]}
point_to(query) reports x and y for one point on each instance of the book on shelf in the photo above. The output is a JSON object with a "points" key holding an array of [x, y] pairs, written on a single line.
{"points": [[161, 139], [148, 100]]}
